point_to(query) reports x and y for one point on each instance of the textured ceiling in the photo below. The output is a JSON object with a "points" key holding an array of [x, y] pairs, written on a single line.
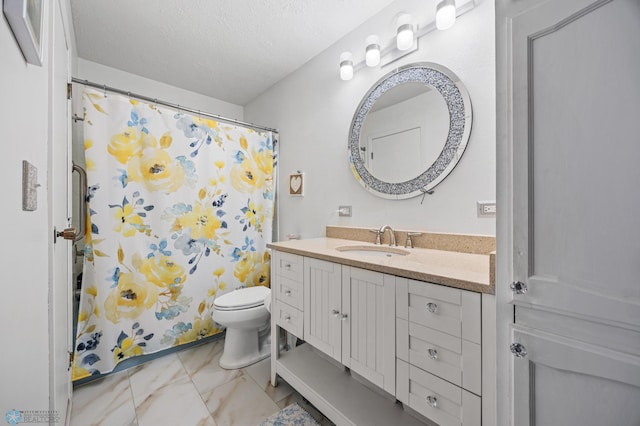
{"points": [[231, 50]]}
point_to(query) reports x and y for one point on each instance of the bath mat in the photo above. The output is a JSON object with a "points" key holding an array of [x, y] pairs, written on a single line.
{"points": [[290, 415]]}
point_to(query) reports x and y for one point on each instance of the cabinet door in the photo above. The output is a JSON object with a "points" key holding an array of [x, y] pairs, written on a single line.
{"points": [[561, 381], [322, 308], [368, 325]]}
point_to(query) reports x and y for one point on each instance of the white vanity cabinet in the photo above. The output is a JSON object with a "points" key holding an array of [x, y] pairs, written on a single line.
{"points": [[349, 315], [439, 363], [419, 343]]}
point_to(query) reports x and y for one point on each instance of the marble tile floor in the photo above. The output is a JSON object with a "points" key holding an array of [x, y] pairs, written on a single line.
{"points": [[185, 388]]}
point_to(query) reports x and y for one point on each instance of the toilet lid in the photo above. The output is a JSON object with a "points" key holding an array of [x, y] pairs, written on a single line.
{"points": [[242, 298]]}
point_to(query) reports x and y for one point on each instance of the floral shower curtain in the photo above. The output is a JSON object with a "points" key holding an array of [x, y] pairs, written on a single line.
{"points": [[179, 212]]}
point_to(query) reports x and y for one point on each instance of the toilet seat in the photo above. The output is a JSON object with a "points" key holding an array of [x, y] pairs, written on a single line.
{"points": [[244, 298]]}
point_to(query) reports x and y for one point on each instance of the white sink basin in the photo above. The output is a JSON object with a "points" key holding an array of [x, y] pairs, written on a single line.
{"points": [[374, 251]]}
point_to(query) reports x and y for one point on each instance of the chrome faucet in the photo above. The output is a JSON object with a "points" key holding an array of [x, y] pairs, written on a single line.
{"points": [[392, 235]]}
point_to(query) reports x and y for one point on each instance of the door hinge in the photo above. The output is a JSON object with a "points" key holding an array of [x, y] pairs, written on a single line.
{"points": [[70, 360], [69, 90]]}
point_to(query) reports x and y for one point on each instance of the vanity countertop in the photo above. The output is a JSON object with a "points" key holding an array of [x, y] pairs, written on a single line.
{"points": [[466, 271]]}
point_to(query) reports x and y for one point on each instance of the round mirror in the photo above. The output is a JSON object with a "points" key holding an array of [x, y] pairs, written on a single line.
{"points": [[409, 131]]}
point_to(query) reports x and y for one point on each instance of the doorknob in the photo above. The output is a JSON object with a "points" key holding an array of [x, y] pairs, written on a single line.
{"points": [[518, 287], [67, 234], [518, 350]]}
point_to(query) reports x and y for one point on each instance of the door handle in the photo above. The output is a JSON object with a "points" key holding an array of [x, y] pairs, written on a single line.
{"points": [[518, 350], [82, 210], [67, 234], [518, 287]]}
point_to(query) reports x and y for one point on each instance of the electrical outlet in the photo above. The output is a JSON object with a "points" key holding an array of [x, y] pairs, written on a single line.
{"points": [[486, 209], [344, 211]]}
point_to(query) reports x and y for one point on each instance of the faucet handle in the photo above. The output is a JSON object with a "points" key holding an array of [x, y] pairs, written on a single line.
{"points": [[378, 234], [409, 242]]}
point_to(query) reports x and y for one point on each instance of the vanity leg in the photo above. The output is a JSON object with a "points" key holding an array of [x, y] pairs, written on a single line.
{"points": [[275, 349]]}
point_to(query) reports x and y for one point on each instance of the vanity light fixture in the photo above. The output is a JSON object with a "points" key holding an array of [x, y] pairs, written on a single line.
{"points": [[346, 66], [372, 51], [445, 14], [404, 35], [408, 33]]}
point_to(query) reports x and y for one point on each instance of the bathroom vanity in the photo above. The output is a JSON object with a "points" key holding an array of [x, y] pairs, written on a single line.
{"points": [[385, 324]]}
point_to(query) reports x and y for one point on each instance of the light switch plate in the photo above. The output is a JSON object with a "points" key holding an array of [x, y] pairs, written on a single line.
{"points": [[29, 186]]}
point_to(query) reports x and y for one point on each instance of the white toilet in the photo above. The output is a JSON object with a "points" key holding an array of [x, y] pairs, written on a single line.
{"points": [[244, 314]]}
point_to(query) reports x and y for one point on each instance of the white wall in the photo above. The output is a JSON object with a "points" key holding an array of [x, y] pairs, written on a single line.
{"points": [[24, 97], [101, 74], [313, 109]]}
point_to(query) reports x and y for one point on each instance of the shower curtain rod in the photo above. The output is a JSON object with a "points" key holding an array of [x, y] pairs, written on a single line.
{"points": [[170, 105]]}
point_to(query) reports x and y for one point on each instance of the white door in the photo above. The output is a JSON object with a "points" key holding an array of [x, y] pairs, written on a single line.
{"points": [[59, 199], [572, 102]]}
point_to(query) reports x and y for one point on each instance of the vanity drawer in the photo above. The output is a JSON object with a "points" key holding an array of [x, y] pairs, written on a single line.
{"points": [[449, 310], [288, 265], [437, 399], [446, 356], [289, 318], [289, 292]]}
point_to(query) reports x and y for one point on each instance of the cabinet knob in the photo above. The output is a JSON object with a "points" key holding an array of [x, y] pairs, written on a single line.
{"points": [[335, 312], [433, 353], [432, 307], [518, 287], [344, 317], [287, 292], [287, 266], [432, 401], [518, 350], [287, 318]]}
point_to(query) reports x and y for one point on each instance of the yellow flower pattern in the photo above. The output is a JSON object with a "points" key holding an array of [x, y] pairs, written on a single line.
{"points": [[179, 213]]}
